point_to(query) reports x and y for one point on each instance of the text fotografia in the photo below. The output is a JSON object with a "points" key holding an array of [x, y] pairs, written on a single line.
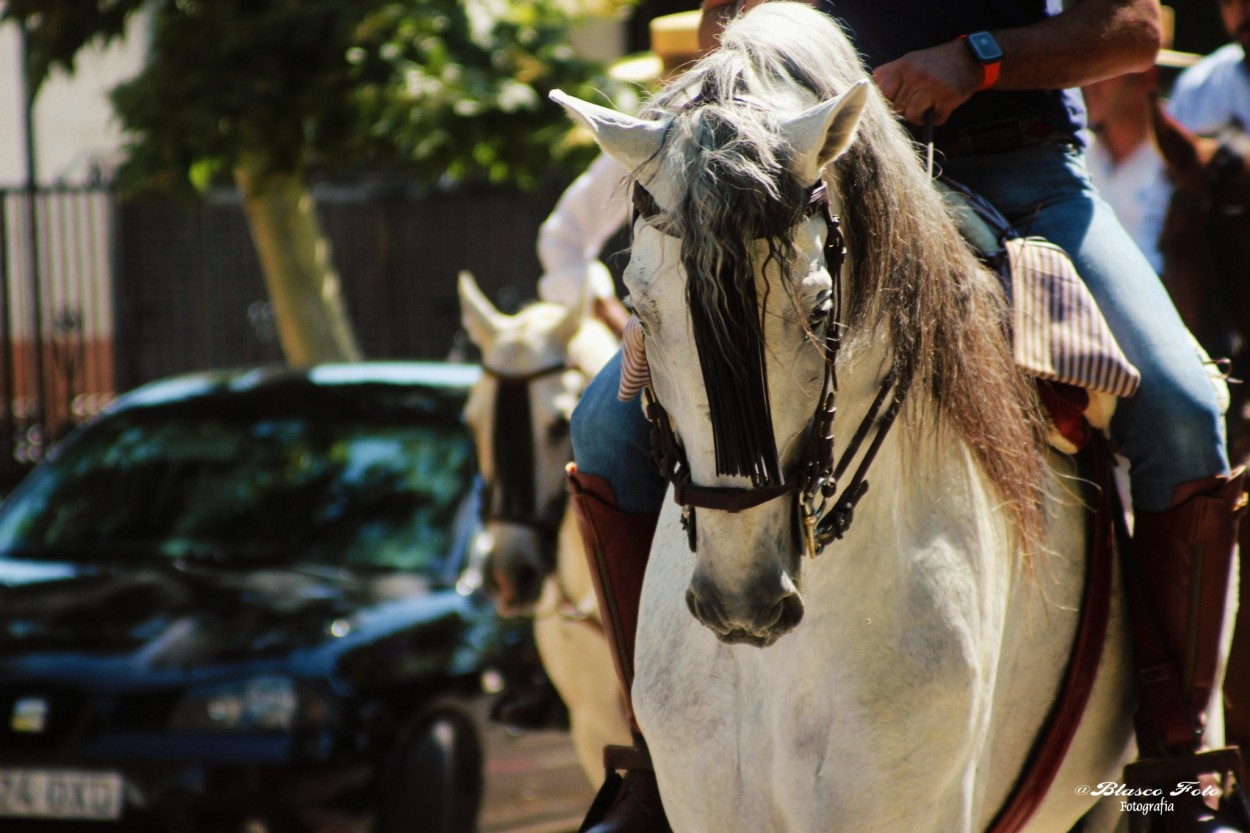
{"points": [[1149, 808]]}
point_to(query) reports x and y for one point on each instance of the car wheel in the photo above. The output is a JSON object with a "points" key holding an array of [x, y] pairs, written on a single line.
{"points": [[436, 783]]}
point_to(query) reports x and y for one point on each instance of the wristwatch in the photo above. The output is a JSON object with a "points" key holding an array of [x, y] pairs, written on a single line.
{"points": [[986, 52]]}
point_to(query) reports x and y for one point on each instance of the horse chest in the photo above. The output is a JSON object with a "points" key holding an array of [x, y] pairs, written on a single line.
{"points": [[891, 662], [895, 667]]}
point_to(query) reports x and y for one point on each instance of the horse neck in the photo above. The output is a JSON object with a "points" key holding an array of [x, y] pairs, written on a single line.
{"points": [[923, 460]]}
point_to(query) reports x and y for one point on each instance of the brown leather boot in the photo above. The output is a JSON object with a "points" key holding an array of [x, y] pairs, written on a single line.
{"points": [[1178, 579], [617, 545]]}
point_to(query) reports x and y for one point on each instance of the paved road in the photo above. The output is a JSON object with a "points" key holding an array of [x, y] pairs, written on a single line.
{"points": [[533, 783]]}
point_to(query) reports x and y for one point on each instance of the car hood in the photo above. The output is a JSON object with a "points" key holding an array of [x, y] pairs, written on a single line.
{"points": [[169, 616]]}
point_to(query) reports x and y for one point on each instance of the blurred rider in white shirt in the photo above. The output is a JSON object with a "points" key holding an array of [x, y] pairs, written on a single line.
{"points": [[1122, 158], [594, 207], [1216, 91]]}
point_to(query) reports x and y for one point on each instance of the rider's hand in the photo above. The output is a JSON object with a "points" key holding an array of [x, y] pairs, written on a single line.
{"points": [[939, 78]]}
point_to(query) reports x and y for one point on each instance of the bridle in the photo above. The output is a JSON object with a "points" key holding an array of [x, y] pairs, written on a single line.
{"points": [[511, 500], [822, 513]]}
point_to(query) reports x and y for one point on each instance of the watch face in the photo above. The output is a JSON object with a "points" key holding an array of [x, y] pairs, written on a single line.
{"points": [[984, 48]]}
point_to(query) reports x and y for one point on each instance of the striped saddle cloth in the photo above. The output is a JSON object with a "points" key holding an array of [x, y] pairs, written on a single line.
{"points": [[1059, 334]]}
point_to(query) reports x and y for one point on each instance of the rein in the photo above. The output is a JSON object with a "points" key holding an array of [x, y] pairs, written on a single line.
{"points": [[509, 498], [822, 514]]}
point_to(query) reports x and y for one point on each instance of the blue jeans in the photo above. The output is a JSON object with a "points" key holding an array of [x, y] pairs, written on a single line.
{"points": [[612, 439], [1170, 430]]}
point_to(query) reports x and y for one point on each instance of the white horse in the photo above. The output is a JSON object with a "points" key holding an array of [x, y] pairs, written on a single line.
{"points": [[898, 681], [535, 365]]}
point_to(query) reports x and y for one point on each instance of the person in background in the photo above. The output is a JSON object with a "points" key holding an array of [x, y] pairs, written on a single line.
{"points": [[1215, 92], [593, 207], [1124, 162]]}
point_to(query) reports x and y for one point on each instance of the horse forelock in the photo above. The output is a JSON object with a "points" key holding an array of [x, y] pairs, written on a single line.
{"points": [[738, 195], [913, 280]]}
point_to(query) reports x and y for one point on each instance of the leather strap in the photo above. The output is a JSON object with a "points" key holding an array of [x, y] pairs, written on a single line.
{"points": [[989, 71], [823, 514], [727, 499], [556, 367], [627, 758], [1053, 741]]}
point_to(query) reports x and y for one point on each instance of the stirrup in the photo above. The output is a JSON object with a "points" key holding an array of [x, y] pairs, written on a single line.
{"points": [[604, 799], [1177, 781], [615, 807]]}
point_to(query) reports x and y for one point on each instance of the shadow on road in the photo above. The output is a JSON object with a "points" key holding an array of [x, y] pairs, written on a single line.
{"points": [[533, 783]]}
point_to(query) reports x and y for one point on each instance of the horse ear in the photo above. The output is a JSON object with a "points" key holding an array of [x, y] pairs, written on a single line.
{"points": [[629, 140], [821, 134], [478, 315]]}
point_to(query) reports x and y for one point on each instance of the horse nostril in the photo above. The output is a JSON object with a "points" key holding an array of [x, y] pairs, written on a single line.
{"points": [[706, 614], [783, 617]]}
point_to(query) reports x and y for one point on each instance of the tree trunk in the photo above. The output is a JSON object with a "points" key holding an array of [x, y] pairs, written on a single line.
{"points": [[304, 288]]}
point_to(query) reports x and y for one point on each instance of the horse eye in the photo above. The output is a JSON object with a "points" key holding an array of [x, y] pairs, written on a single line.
{"points": [[821, 308]]}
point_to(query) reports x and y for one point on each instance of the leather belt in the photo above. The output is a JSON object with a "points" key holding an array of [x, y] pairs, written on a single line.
{"points": [[1002, 137]]}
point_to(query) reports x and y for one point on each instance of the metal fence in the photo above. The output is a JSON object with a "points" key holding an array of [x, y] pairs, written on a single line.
{"points": [[56, 317], [99, 295], [190, 294]]}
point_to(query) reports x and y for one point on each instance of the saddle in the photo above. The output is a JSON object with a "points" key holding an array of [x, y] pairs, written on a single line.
{"points": [[1059, 335]]}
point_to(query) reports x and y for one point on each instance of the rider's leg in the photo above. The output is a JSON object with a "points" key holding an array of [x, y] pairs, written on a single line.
{"points": [[616, 496], [612, 440], [1171, 429], [1184, 500], [1185, 560]]}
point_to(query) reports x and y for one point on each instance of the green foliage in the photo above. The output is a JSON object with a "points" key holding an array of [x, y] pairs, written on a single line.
{"points": [[60, 28], [265, 79], [460, 89], [441, 89]]}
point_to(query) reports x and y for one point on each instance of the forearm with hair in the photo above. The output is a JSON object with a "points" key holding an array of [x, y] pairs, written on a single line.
{"points": [[1089, 41]]}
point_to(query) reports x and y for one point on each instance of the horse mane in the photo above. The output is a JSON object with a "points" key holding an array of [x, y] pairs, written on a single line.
{"points": [[911, 273]]}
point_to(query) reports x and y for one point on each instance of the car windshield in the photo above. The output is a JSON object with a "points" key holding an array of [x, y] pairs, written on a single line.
{"points": [[238, 489]]}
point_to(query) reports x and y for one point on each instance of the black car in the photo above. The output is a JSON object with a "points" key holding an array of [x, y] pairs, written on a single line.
{"points": [[236, 602]]}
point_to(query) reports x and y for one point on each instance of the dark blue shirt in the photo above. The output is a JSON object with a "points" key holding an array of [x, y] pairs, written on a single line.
{"points": [[883, 30]]}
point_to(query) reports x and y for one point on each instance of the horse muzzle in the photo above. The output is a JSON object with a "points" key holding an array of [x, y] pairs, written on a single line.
{"points": [[517, 565], [756, 621]]}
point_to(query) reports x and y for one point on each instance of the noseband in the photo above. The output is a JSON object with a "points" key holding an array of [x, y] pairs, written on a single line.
{"points": [[822, 513], [509, 498]]}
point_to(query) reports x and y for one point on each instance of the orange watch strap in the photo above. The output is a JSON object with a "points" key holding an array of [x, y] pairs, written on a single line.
{"points": [[990, 77], [989, 72]]}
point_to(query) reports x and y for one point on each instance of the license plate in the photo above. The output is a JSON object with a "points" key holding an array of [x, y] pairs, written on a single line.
{"points": [[60, 794]]}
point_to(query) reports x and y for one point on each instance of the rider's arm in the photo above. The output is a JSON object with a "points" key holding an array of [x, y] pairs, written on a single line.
{"points": [[569, 241], [1089, 41]]}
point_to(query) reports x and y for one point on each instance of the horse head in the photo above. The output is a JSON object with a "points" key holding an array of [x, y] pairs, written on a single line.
{"points": [[534, 370], [741, 281], [1205, 242], [1201, 164], [738, 175]]}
